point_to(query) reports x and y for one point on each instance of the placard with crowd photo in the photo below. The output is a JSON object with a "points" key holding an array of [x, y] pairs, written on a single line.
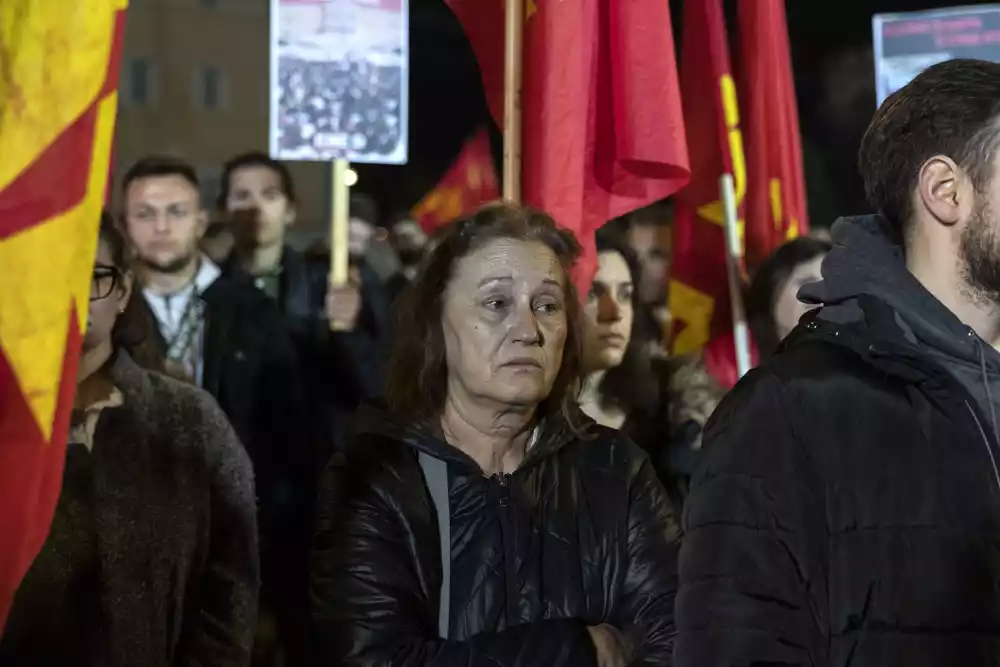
{"points": [[339, 73], [907, 43]]}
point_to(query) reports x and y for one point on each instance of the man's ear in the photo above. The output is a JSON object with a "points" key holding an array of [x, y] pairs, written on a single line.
{"points": [[939, 187]]}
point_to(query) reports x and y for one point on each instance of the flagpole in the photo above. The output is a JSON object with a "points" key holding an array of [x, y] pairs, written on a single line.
{"points": [[342, 178], [741, 333], [513, 65]]}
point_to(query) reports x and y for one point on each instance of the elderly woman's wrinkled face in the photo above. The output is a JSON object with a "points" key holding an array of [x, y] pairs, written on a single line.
{"points": [[505, 323]]}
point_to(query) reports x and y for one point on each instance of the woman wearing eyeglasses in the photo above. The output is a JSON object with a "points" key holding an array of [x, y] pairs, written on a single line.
{"points": [[152, 555]]}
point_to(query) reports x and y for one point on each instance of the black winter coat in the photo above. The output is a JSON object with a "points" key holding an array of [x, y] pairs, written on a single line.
{"points": [[846, 511], [581, 534]]}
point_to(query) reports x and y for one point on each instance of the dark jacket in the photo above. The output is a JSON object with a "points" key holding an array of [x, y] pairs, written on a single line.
{"points": [[176, 538], [669, 428], [581, 534], [847, 509], [340, 369], [252, 371]]}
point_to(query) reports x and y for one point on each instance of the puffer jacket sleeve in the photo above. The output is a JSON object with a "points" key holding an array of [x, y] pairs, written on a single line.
{"points": [[370, 600], [753, 563], [651, 580]]}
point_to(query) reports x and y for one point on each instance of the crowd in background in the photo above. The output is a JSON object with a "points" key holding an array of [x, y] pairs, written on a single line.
{"points": [[327, 107], [455, 459]]}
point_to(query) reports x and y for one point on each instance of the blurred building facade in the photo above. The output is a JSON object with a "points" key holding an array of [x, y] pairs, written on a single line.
{"points": [[195, 83]]}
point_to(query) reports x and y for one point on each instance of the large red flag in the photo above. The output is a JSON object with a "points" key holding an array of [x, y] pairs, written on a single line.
{"points": [[469, 182], [776, 192], [602, 123], [59, 61], [699, 289]]}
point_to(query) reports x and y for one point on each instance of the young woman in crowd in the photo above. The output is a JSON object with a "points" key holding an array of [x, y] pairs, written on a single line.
{"points": [[151, 558], [772, 304], [481, 519], [662, 404]]}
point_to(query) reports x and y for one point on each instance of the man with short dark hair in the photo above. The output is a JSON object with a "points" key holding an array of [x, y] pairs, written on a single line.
{"points": [[847, 509], [224, 335], [345, 366]]}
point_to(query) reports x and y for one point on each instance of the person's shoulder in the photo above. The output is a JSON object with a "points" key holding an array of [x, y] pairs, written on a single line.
{"points": [[606, 449], [179, 405]]}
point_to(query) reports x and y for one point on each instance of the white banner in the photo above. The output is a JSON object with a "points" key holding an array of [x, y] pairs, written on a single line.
{"points": [[908, 43], [339, 80]]}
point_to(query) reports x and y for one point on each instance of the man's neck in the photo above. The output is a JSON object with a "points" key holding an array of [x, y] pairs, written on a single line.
{"points": [[495, 438], [980, 314], [259, 261], [165, 284]]}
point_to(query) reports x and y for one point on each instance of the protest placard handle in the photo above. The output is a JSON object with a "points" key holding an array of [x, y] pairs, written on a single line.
{"points": [[343, 177]]}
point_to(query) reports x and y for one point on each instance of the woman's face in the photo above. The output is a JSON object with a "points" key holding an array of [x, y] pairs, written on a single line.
{"points": [[788, 310], [608, 315], [504, 323], [109, 292]]}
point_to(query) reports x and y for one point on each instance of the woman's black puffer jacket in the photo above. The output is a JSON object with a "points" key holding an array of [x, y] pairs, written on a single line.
{"points": [[581, 534]]}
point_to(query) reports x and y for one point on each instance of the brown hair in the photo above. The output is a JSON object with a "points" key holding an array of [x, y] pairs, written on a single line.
{"points": [[418, 375], [132, 331]]}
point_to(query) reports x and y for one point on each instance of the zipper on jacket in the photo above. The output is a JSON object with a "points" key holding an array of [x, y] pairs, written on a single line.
{"points": [[508, 537], [986, 442]]}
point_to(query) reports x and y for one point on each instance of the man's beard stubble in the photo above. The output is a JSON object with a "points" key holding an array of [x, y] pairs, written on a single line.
{"points": [[979, 254], [174, 266]]}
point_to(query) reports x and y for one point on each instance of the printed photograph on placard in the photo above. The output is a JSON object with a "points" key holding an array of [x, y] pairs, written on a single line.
{"points": [[339, 71]]}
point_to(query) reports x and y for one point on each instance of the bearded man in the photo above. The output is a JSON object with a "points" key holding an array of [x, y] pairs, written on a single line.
{"points": [[847, 510]]}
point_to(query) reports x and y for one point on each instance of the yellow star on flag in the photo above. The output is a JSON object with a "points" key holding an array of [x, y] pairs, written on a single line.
{"points": [[530, 9]]}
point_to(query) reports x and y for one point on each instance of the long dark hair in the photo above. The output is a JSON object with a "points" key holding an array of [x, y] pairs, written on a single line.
{"points": [[417, 385], [632, 384], [132, 329], [768, 281]]}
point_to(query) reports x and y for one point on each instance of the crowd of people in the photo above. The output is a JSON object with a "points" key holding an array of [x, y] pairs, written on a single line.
{"points": [[455, 459], [340, 107]]}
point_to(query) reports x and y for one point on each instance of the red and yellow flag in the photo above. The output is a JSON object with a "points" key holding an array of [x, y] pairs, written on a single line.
{"points": [[602, 124], [58, 79], [699, 289], [776, 192], [469, 182]]}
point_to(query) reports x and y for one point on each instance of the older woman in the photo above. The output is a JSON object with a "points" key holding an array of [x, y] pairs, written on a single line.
{"points": [[151, 558], [481, 519]]}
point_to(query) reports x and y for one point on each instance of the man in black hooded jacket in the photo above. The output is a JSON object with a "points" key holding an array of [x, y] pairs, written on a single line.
{"points": [[847, 509]]}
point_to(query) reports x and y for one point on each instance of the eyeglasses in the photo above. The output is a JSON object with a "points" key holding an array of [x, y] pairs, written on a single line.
{"points": [[104, 281]]}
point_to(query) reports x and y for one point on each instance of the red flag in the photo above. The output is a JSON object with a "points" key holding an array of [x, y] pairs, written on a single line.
{"points": [[699, 289], [776, 193], [469, 182], [57, 117], [602, 124]]}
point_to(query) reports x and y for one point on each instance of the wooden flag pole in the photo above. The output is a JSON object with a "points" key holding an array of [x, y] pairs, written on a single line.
{"points": [[340, 188], [513, 67]]}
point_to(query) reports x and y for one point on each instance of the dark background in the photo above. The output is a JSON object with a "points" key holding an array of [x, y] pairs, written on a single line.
{"points": [[831, 56]]}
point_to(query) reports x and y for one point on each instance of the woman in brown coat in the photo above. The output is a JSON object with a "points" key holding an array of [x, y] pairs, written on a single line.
{"points": [[152, 555]]}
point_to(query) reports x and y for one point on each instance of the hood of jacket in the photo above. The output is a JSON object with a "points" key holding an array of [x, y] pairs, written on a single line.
{"points": [[866, 262], [552, 434]]}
